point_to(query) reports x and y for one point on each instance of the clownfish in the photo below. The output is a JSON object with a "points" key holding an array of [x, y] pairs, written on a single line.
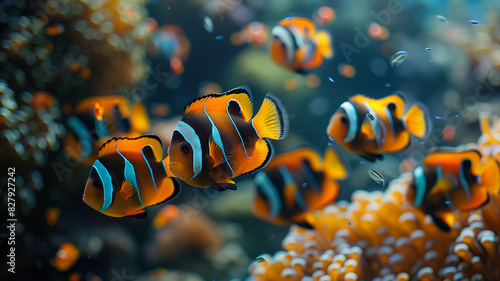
{"points": [[295, 183], [127, 176], [217, 139], [453, 179], [372, 127], [97, 119], [66, 257], [298, 46]]}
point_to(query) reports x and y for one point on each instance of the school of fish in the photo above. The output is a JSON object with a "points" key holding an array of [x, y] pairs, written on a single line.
{"points": [[219, 139]]}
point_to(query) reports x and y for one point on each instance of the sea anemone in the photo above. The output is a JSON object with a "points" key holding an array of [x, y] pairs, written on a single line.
{"points": [[381, 236]]}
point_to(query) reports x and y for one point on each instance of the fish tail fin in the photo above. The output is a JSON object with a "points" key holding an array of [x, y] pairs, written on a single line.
{"points": [[165, 166], [272, 120], [417, 121], [333, 165], [490, 176], [139, 120], [324, 43]]}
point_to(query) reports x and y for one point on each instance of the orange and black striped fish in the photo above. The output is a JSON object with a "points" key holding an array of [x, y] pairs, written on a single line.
{"points": [[129, 175], [66, 257], [295, 183], [217, 139], [372, 127], [453, 179], [298, 46], [97, 119]]}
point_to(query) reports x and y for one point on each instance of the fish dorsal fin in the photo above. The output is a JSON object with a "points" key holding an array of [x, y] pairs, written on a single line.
{"points": [[133, 145], [294, 157], [302, 23], [219, 102], [105, 101], [216, 152], [453, 157]]}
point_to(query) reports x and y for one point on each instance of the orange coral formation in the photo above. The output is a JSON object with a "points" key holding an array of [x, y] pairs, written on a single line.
{"points": [[380, 236]]}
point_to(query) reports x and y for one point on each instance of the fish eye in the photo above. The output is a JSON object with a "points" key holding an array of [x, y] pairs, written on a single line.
{"points": [[343, 119], [97, 184], [185, 148], [391, 106]]}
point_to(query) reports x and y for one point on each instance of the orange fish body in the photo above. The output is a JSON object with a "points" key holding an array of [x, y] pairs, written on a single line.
{"points": [[453, 179], [127, 176], [97, 119], [295, 183], [297, 45], [217, 139], [66, 257], [371, 127]]}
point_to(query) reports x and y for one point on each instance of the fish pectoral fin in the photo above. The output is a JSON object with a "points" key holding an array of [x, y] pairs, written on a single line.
{"points": [[126, 191], [168, 190], [261, 156], [220, 101], [223, 186], [140, 214], [139, 118], [216, 153]]}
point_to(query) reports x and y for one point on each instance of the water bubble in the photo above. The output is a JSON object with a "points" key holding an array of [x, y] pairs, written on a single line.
{"points": [[362, 162], [398, 58], [442, 19], [208, 25], [438, 117], [331, 79], [219, 37], [447, 202], [457, 115], [474, 22]]}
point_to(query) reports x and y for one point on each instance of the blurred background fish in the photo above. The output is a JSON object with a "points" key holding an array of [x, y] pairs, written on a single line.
{"points": [[451, 180], [98, 119], [296, 183], [298, 46]]}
